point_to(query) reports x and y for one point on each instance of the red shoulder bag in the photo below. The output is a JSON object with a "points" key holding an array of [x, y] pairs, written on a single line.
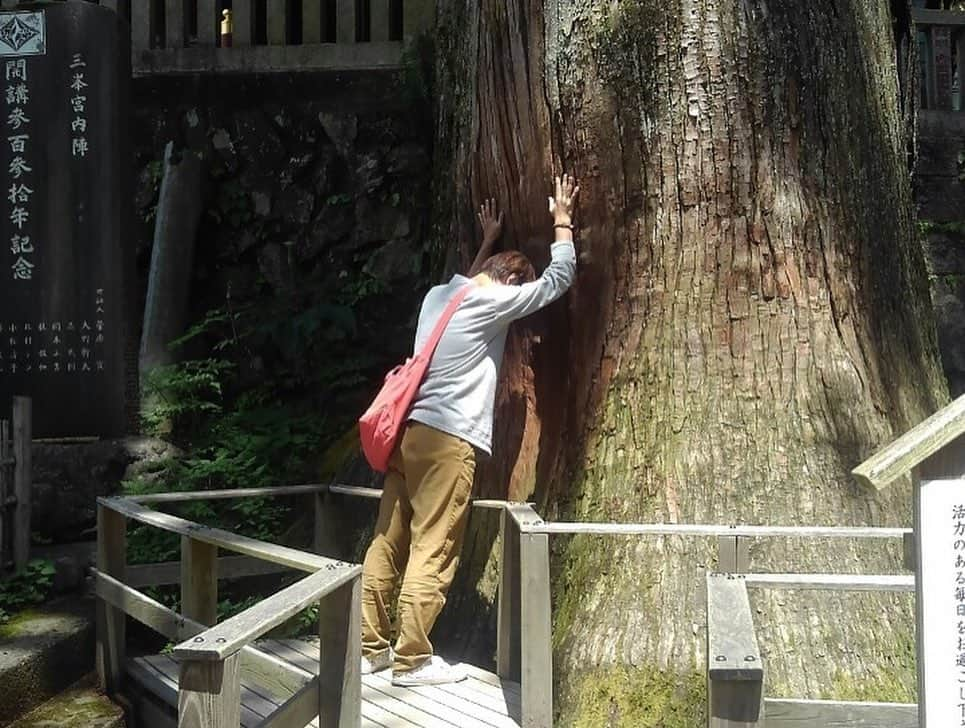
{"points": [[380, 426]]}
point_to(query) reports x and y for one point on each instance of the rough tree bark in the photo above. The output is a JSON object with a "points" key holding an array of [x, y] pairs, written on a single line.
{"points": [[751, 319]]}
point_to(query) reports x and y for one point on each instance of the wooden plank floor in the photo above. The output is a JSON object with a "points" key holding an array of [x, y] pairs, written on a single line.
{"points": [[482, 701]]}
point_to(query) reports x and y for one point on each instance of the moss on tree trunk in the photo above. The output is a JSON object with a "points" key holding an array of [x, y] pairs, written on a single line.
{"points": [[751, 319]]}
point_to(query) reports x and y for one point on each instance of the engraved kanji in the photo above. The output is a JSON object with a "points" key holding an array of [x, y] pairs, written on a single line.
{"points": [[18, 94], [18, 167], [18, 143], [19, 217], [17, 118], [22, 269], [16, 70], [21, 244], [19, 193]]}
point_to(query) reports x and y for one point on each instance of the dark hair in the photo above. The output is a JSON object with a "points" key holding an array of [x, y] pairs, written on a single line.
{"points": [[509, 268]]}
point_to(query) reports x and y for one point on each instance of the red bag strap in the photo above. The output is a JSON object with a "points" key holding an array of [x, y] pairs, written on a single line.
{"points": [[430, 346]]}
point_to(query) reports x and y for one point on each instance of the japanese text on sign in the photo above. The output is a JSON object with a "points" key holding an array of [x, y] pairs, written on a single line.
{"points": [[78, 105], [22, 246], [55, 347]]}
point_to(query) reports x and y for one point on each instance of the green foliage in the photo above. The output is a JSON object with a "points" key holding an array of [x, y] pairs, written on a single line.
{"points": [[244, 420], [29, 586], [228, 608], [148, 545], [637, 697], [191, 389], [954, 227], [232, 206], [339, 199], [155, 172]]}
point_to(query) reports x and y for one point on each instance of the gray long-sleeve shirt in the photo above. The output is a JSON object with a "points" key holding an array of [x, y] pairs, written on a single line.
{"points": [[459, 390]]}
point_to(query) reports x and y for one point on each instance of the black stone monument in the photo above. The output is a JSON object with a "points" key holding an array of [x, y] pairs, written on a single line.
{"points": [[65, 263]]}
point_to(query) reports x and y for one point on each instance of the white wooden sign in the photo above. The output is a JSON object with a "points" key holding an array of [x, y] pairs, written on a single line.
{"points": [[23, 34], [941, 603]]}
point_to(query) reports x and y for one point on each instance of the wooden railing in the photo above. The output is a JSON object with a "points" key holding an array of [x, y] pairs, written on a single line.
{"points": [[16, 476], [524, 644], [735, 668], [214, 657], [524, 636], [187, 36], [941, 39]]}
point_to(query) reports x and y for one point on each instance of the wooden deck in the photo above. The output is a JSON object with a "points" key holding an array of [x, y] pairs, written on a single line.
{"points": [[482, 701]]}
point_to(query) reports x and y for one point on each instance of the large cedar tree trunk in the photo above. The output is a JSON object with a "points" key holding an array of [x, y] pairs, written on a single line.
{"points": [[750, 321]]}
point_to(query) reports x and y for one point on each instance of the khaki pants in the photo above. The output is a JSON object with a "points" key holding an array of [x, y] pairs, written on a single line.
{"points": [[418, 537]]}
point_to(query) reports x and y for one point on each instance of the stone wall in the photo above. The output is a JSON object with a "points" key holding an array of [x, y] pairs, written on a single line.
{"points": [[940, 192], [308, 174]]}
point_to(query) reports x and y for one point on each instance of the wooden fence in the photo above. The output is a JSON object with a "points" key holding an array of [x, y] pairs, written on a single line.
{"points": [[524, 623], [735, 668], [941, 44], [16, 437], [188, 36], [524, 639], [214, 658]]}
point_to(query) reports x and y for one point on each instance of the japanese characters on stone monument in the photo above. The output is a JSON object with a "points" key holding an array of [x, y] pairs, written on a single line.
{"points": [[64, 227]]}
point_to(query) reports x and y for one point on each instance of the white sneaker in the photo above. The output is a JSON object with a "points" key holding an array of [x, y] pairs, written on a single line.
{"points": [[434, 671], [377, 663]]}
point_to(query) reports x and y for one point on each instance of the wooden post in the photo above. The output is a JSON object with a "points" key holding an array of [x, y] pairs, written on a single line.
{"points": [[209, 23], [345, 21], [277, 17], [379, 16], [909, 552], [507, 631], [735, 673], [5, 459], [22, 478], [733, 556], [311, 21], [111, 560], [199, 581], [941, 41], [960, 58], [243, 15], [142, 26], [418, 16], [536, 631], [328, 527], [209, 693], [340, 658], [174, 23]]}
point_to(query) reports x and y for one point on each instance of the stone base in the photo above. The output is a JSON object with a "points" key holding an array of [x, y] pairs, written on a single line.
{"points": [[82, 704], [44, 651]]}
